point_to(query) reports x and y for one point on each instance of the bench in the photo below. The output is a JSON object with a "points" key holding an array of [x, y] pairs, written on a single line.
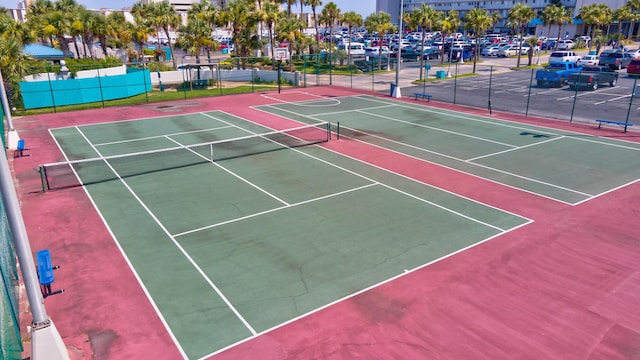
{"points": [[423, 96], [621, 123], [45, 273]]}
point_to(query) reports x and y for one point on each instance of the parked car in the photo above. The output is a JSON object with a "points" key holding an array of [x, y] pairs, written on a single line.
{"points": [[507, 51], [565, 44], [490, 50], [634, 67], [562, 56], [589, 60], [616, 60], [591, 77], [556, 74], [431, 53], [635, 53], [377, 51], [407, 54]]}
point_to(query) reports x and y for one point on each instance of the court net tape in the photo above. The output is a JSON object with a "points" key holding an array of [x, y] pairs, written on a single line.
{"points": [[96, 170]]}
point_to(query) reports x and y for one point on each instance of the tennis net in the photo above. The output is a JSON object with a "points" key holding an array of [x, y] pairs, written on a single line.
{"points": [[96, 170]]}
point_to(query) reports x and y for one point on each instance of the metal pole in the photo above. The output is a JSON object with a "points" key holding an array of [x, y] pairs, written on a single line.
{"points": [[21, 242], [396, 92], [526, 112], [5, 103], [490, 77], [633, 93]]}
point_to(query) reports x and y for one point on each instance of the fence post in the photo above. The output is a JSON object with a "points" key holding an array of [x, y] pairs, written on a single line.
{"points": [[490, 78], [526, 111], [53, 98], [455, 84], [633, 93], [219, 78], [575, 97], [100, 85]]}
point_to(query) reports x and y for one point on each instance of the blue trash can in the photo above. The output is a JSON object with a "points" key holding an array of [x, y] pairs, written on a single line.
{"points": [[441, 74], [393, 89]]}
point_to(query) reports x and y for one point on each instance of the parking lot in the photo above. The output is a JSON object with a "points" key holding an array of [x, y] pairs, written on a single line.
{"points": [[501, 88]]}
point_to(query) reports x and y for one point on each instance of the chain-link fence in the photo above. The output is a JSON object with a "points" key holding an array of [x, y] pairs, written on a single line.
{"points": [[493, 87], [10, 340]]}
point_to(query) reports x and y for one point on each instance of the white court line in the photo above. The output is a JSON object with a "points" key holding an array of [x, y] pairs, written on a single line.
{"points": [[345, 298], [517, 148], [462, 160], [160, 136], [287, 206], [130, 120], [437, 129], [175, 242]]}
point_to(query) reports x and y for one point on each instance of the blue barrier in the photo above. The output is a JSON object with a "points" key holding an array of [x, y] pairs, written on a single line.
{"points": [[39, 94]]}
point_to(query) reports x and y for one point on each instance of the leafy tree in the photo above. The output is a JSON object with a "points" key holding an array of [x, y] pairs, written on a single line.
{"points": [[314, 4], [330, 14], [620, 14], [165, 17], [595, 16], [520, 15], [379, 23], [425, 17], [479, 21], [351, 19]]}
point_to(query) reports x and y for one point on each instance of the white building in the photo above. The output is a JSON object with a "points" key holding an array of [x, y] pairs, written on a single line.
{"points": [[502, 7]]}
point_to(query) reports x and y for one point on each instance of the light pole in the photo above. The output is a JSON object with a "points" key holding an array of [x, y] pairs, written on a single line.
{"points": [[396, 89]]}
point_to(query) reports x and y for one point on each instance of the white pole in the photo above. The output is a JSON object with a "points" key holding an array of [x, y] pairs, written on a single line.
{"points": [[396, 90]]}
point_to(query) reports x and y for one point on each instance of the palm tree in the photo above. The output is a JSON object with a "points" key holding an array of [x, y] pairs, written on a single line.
{"points": [[621, 15], [634, 6], [520, 15], [314, 4], [448, 25], [351, 19], [595, 16], [270, 14], [195, 36], [479, 21], [138, 32], [330, 14], [116, 30], [164, 16], [290, 30], [551, 16], [289, 4], [239, 14], [425, 17], [564, 16], [381, 23], [495, 19]]}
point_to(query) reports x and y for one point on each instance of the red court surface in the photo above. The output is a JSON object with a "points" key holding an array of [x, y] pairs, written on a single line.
{"points": [[566, 286]]}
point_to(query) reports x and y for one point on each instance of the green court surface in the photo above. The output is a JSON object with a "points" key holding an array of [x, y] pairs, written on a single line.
{"points": [[232, 248], [565, 166]]}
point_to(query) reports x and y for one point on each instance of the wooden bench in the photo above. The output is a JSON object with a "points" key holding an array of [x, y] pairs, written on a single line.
{"points": [[423, 96], [621, 123]]}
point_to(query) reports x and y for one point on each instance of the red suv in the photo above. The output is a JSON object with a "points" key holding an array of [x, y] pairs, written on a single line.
{"points": [[634, 68]]}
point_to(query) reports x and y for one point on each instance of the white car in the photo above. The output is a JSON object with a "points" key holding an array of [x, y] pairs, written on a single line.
{"points": [[564, 56], [565, 45], [589, 60]]}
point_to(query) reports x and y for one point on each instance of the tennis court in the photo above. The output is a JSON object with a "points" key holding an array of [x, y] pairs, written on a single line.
{"points": [[255, 232], [561, 165]]}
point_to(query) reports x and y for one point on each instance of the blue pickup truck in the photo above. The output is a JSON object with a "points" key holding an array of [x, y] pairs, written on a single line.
{"points": [[556, 74]]}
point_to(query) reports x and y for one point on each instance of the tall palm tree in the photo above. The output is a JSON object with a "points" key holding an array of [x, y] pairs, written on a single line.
{"points": [[495, 19], [564, 17], [595, 16], [621, 15], [634, 6], [270, 14], [330, 14], [425, 17], [289, 4], [351, 19], [479, 21], [195, 35], [551, 16], [100, 29], [314, 5], [520, 15], [239, 14], [138, 32], [164, 16], [449, 24], [381, 23]]}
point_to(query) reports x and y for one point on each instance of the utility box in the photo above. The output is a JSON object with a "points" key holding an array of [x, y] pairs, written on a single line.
{"points": [[441, 74]]}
